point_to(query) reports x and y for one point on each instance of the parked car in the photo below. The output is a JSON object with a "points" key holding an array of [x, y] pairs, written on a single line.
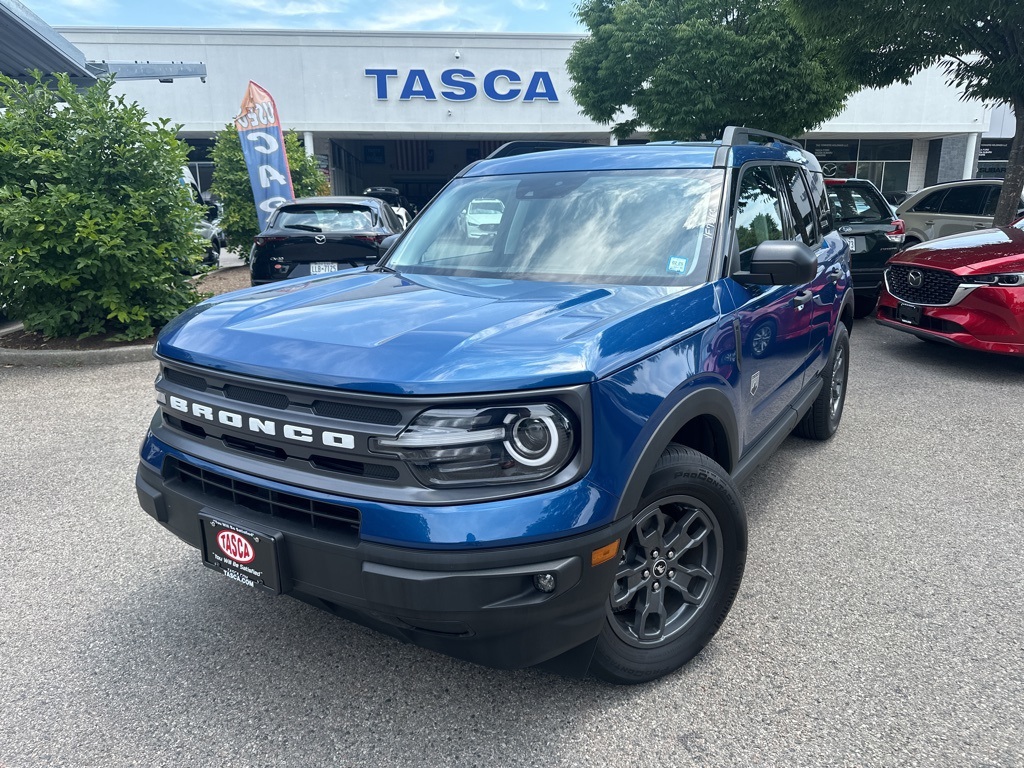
{"points": [[481, 217], [872, 231], [950, 208], [209, 226], [318, 235], [525, 448], [966, 290], [399, 204]]}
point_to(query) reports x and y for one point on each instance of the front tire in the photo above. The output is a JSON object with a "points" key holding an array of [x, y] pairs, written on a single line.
{"points": [[679, 570]]}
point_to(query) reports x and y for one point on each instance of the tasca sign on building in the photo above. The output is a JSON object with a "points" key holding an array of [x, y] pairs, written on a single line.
{"points": [[458, 84]]}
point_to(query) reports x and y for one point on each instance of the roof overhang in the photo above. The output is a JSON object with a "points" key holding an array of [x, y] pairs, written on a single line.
{"points": [[27, 43]]}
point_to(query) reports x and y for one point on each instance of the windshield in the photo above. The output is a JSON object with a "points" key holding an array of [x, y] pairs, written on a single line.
{"points": [[341, 218], [644, 227]]}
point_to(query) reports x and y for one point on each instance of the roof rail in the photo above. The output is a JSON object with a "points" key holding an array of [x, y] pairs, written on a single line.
{"points": [[737, 136], [511, 148]]}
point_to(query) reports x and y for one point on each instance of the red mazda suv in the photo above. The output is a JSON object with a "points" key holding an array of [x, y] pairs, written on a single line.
{"points": [[966, 290]]}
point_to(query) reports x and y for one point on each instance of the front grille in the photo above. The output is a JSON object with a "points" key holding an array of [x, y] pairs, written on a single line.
{"points": [[928, 323], [363, 413], [185, 379], [266, 451], [286, 506], [937, 286], [256, 396], [268, 398]]}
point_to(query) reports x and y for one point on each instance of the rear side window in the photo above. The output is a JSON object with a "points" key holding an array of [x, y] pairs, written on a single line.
{"points": [[800, 205], [858, 204], [965, 201], [930, 203]]}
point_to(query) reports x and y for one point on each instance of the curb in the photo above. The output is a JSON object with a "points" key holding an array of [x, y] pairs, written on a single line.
{"points": [[55, 358]]}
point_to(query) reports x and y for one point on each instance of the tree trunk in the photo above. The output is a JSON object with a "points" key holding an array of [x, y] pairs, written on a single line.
{"points": [[1013, 184]]}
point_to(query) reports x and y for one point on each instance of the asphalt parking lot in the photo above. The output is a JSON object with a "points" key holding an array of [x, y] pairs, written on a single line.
{"points": [[879, 622]]}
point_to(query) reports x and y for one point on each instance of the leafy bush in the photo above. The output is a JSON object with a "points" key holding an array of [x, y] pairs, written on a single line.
{"points": [[231, 184], [97, 234]]}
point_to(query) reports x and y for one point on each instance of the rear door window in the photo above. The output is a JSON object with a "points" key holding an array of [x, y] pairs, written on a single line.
{"points": [[800, 205], [819, 196]]}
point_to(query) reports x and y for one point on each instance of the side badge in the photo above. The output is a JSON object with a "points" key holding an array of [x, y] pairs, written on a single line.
{"points": [[755, 379]]}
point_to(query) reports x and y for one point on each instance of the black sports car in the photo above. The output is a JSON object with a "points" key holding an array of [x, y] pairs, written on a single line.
{"points": [[318, 235]]}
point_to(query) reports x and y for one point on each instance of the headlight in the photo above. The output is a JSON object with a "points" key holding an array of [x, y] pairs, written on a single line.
{"points": [[452, 447], [1010, 279]]}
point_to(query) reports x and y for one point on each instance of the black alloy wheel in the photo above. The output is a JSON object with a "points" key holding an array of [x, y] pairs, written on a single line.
{"points": [[679, 570]]}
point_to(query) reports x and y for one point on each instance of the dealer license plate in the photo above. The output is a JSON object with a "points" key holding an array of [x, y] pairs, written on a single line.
{"points": [[242, 554], [323, 267], [852, 242], [909, 314]]}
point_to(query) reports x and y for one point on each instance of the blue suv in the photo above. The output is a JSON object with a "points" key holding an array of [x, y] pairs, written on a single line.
{"points": [[524, 446]]}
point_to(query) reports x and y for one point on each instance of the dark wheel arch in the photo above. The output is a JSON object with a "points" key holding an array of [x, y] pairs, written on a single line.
{"points": [[710, 414]]}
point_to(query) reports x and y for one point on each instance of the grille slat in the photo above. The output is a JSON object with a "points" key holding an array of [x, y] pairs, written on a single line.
{"points": [[937, 286], [350, 412], [185, 379], [257, 397], [287, 506]]}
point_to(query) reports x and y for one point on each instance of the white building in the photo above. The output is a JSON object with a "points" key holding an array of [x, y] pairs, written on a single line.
{"points": [[411, 109]]}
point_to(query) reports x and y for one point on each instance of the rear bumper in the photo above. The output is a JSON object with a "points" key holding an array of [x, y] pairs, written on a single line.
{"points": [[476, 604], [989, 319]]}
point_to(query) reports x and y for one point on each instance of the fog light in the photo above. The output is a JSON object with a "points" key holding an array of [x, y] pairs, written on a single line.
{"points": [[545, 582]]}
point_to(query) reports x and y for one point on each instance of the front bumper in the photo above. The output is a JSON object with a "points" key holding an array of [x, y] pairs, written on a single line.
{"points": [[476, 604], [988, 319]]}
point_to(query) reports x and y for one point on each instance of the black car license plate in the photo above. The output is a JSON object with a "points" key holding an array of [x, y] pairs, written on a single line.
{"points": [[909, 314], [241, 553]]}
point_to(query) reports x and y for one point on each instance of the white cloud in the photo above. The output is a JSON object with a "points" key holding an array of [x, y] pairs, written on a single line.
{"points": [[530, 5], [291, 8], [404, 18]]}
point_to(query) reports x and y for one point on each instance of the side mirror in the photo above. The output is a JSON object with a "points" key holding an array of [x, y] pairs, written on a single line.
{"points": [[212, 212], [780, 262], [387, 242]]}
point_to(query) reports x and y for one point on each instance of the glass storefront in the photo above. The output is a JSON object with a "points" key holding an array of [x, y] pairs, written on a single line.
{"points": [[885, 162]]}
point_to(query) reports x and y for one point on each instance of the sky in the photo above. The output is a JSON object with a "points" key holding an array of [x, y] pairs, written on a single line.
{"points": [[400, 15]]}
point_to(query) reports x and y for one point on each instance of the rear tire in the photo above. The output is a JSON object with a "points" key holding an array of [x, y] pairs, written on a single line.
{"points": [[822, 420], [679, 570], [864, 305]]}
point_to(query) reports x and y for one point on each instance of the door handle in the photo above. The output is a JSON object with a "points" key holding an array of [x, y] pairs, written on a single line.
{"points": [[802, 298], [981, 226], [928, 223]]}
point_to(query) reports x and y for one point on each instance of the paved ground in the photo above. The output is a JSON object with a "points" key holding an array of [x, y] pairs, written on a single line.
{"points": [[879, 623]]}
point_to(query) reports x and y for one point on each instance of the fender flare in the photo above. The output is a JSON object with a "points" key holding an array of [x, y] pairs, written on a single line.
{"points": [[702, 402]]}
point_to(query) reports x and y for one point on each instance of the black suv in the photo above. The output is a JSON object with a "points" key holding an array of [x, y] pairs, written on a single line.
{"points": [[872, 231]]}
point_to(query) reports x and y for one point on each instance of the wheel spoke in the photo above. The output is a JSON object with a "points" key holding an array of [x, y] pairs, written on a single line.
{"points": [[634, 580], [683, 588], [653, 609], [650, 531]]}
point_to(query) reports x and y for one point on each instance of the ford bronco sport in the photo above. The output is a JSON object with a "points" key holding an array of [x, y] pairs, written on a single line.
{"points": [[522, 447]]}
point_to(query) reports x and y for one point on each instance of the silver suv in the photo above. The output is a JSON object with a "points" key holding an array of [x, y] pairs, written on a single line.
{"points": [[950, 208]]}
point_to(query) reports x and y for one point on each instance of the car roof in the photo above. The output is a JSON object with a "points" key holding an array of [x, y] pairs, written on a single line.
{"points": [[640, 157]]}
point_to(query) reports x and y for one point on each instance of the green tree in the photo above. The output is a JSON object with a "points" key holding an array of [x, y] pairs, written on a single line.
{"points": [[979, 43], [231, 184], [688, 68], [97, 234]]}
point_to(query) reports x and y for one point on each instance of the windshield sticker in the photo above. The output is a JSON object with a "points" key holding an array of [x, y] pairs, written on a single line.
{"points": [[680, 264]]}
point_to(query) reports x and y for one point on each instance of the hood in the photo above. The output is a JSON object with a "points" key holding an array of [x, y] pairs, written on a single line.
{"points": [[1000, 249], [414, 334]]}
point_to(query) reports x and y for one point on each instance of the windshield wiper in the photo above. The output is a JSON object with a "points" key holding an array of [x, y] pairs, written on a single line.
{"points": [[383, 268], [304, 227]]}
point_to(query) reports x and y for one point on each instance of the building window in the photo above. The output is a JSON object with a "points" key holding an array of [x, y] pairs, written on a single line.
{"points": [[885, 162]]}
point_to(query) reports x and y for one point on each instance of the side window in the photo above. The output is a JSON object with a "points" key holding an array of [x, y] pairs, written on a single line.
{"points": [[930, 203], [965, 201], [819, 196], [758, 212], [799, 201]]}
